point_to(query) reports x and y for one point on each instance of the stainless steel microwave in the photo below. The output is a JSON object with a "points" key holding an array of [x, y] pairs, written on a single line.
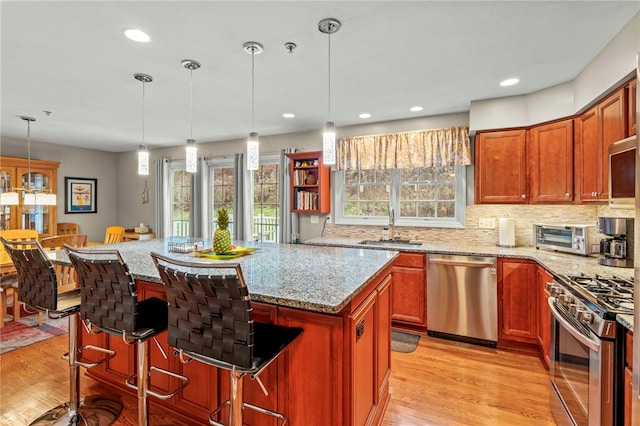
{"points": [[622, 173], [575, 239]]}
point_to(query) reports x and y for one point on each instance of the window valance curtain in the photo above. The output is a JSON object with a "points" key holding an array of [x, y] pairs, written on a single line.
{"points": [[425, 148]]}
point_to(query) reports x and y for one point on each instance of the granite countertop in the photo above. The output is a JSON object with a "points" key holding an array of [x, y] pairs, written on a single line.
{"points": [[321, 279], [556, 263]]}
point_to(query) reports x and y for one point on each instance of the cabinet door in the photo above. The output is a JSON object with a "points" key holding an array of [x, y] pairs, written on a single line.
{"points": [[589, 156], [383, 319], [632, 121], [550, 162], [544, 324], [409, 296], [628, 396], [364, 389], [613, 117], [519, 302], [500, 167], [38, 217], [8, 214]]}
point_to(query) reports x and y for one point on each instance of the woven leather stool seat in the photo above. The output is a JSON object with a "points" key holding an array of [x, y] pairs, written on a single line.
{"points": [[211, 321], [110, 304], [38, 289]]}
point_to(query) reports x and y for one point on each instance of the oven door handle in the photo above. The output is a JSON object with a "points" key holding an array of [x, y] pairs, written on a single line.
{"points": [[592, 344]]}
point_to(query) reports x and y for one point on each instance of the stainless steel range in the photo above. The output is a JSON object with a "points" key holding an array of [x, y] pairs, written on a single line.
{"points": [[587, 359]]}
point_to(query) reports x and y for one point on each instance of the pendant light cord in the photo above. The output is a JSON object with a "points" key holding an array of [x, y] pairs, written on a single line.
{"points": [[191, 104], [29, 152], [143, 84], [329, 80], [252, 88]]}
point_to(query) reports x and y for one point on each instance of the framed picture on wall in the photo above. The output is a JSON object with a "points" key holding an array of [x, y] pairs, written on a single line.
{"points": [[80, 195]]}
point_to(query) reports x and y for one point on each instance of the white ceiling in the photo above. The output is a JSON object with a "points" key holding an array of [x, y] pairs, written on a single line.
{"points": [[71, 58]]}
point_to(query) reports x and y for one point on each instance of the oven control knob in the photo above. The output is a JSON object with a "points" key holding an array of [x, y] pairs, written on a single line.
{"points": [[574, 309], [566, 299], [585, 317]]}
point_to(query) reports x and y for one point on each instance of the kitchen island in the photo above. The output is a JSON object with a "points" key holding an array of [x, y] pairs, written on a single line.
{"points": [[337, 373]]}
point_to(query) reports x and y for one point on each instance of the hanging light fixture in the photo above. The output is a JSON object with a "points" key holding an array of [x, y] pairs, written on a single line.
{"points": [[192, 150], [143, 153], [33, 195], [253, 145], [329, 26]]}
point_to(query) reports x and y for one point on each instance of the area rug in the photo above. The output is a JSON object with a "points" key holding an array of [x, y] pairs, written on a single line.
{"points": [[25, 331], [404, 342]]}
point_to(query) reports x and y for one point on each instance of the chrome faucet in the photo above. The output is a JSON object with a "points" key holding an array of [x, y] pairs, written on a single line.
{"points": [[392, 224]]}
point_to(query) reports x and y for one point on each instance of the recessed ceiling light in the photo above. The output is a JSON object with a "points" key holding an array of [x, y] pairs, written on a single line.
{"points": [[137, 35], [365, 115], [509, 82], [288, 115], [416, 109]]}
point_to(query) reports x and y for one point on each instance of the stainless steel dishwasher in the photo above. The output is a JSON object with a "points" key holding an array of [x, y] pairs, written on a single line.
{"points": [[462, 293]]}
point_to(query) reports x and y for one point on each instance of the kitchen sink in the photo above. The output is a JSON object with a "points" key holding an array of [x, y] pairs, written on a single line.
{"points": [[390, 242]]}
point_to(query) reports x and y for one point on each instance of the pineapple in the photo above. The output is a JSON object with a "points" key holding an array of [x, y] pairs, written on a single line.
{"points": [[222, 236]]}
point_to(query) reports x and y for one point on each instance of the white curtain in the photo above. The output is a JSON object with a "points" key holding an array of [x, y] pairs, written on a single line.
{"points": [[243, 200], [288, 220], [198, 223], [163, 198]]}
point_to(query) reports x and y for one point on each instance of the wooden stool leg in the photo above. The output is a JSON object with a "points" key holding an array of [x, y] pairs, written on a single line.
{"points": [[16, 305], [3, 306]]}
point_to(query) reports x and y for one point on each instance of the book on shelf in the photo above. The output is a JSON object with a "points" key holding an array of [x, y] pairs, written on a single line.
{"points": [[306, 200]]}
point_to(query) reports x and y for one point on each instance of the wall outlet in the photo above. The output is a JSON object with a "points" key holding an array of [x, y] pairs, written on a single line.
{"points": [[328, 219], [314, 218], [487, 223]]}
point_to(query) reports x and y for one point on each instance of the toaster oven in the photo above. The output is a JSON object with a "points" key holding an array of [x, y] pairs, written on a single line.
{"points": [[575, 239]]}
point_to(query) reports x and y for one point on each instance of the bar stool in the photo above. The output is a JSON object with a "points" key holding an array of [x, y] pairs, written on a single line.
{"points": [[38, 289], [110, 304], [210, 320]]}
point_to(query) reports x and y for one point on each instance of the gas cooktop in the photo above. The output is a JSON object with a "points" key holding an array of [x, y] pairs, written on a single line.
{"points": [[613, 295]]}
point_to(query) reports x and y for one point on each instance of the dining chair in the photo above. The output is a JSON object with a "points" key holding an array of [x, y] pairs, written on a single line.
{"points": [[67, 228], [114, 234], [67, 277], [8, 280]]}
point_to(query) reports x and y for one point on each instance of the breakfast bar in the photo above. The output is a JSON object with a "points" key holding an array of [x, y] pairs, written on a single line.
{"points": [[336, 373]]}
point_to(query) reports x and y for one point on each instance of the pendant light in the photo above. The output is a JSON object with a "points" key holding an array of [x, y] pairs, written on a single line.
{"points": [[329, 26], [33, 195], [253, 145], [191, 149], [143, 153]]}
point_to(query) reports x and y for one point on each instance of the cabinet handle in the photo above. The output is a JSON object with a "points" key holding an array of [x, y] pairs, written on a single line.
{"points": [[359, 329], [567, 195], [523, 196]]}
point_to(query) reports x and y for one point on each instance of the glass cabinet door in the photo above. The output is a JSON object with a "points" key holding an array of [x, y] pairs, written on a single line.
{"points": [[6, 215], [35, 216]]}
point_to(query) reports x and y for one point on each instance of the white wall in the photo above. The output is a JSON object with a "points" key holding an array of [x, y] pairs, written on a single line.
{"points": [[76, 162]]}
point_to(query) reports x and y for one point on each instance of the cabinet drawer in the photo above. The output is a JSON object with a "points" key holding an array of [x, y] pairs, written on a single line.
{"points": [[411, 260]]}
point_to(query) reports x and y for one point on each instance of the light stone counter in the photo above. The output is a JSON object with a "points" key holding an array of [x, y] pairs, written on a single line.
{"points": [[556, 263], [321, 279]]}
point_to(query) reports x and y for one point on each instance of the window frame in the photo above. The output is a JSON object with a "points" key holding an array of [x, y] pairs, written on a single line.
{"points": [[457, 222]]}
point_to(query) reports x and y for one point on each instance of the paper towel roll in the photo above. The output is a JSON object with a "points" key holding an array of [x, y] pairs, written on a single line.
{"points": [[506, 232]]}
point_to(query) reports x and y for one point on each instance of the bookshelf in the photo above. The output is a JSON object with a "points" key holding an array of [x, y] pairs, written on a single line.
{"points": [[309, 183]]}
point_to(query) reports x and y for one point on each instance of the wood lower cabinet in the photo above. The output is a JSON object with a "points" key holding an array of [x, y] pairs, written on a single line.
{"points": [[632, 95], [410, 291], [628, 379], [518, 287], [337, 372], [544, 314], [550, 162], [500, 167]]}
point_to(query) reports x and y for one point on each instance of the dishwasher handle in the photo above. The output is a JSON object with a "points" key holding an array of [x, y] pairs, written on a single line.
{"points": [[468, 264]]}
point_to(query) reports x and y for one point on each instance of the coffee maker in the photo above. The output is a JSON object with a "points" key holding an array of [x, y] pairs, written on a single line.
{"points": [[617, 249]]}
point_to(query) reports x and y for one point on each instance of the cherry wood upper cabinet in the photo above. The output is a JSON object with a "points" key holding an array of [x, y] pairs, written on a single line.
{"points": [[632, 121], [550, 162], [596, 129], [500, 167]]}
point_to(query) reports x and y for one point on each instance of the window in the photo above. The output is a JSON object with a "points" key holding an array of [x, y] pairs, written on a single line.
{"points": [[221, 190], [266, 200], [426, 196], [180, 200]]}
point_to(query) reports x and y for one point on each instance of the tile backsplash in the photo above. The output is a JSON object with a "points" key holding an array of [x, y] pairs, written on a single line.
{"points": [[524, 215]]}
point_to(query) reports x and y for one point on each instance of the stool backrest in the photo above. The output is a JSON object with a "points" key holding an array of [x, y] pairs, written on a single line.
{"points": [[210, 310], [37, 281], [107, 290]]}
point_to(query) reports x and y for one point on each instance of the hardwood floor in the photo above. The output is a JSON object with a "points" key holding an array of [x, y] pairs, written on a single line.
{"points": [[441, 383]]}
